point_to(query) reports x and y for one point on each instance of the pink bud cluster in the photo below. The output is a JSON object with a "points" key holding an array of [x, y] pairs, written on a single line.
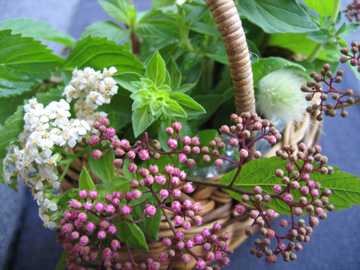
{"points": [[210, 239], [313, 202], [341, 99], [353, 11], [242, 133]]}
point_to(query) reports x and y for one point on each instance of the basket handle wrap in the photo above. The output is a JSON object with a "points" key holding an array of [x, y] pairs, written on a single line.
{"points": [[229, 24]]}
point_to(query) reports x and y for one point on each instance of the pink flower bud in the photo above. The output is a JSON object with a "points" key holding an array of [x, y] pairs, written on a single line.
{"points": [[94, 141], [178, 220], [166, 242], [88, 206], [210, 256], [206, 232], [198, 239], [277, 188], [190, 163], [182, 175], [311, 184], [289, 166], [200, 264], [93, 195], [219, 163], [217, 227], [188, 187], [115, 244], [169, 131], [134, 183], [82, 216], [186, 140], [110, 209], [90, 226], [272, 139], [150, 210], [185, 258], [125, 210], [195, 141], [179, 235], [182, 158], [84, 240], [163, 256], [96, 154], [110, 132], [131, 154], [234, 142], [125, 144], [172, 143], [75, 235], [144, 155], [105, 121], [175, 181], [314, 222], [218, 255], [198, 220], [189, 244], [149, 180], [112, 229], [225, 129], [154, 169], [101, 235], [119, 152], [115, 143], [186, 225], [243, 153], [288, 197], [169, 169], [207, 246], [132, 167], [160, 180], [136, 194], [270, 212], [118, 163], [96, 124], [314, 192], [99, 207], [240, 208], [164, 194], [187, 204], [176, 206], [176, 193]]}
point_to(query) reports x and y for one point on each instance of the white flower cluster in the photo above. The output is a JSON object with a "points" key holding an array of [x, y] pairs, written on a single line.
{"points": [[90, 89], [33, 159]]}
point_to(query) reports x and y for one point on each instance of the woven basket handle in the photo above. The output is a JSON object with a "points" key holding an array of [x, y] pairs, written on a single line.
{"points": [[229, 24]]}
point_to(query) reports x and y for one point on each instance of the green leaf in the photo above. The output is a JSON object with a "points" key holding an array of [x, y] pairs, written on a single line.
{"points": [[175, 74], [173, 109], [264, 66], [99, 53], [259, 172], [162, 3], [322, 7], [155, 69], [132, 235], [23, 62], [62, 264], [85, 181], [347, 29], [103, 167], [121, 10], [297, 43], [142, 119], [320, 36], [190, 106], [106, 29], [119, 180], [277, 16], [150, 225], [125, 79], [205, 29], [345, 188], [9, 132], [67, 196], [217, 52], [37, 29]]}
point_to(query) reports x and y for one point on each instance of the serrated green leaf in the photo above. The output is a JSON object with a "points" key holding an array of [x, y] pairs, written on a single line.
{"points": [[173, 109], [322, 7], [347, 29], [205, 29], [277, 16], [264, 66], [119, 180], [37, 29], [175, 74], [190, 106], [99, 53], [103, 167], [142, 119], [125, 79], [156, 69], [131, 234], [62, 264], [320, 36], [162, 3], [23, 62], [345, 188], [120, 10], [85, 181], [106, 29], [217, 52]]}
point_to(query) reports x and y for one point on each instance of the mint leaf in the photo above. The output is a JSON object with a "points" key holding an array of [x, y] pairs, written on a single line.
{"points": [[173, 109], [132, 235], [99, 53], [62, 264], [37, 29], [191, 107], [142, 119], [106, 29], [23, 63], [155, 69], [85, 181], [174, 74], [121, 10], [322, 7], [277, 16], [103, 167]]}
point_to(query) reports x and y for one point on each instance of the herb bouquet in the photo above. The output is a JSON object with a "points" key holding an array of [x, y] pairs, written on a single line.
{"points": [[147, 146]]}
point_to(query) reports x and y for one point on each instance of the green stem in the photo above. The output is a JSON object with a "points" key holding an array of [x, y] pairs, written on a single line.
{"points": [[319, 46], [207, 76]]}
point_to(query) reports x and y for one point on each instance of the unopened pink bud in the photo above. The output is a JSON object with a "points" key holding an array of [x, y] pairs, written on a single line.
{"points": [[198, 220], [179, 235], [185, 258], [150, 210], [240, 208], [75, 235], [164, 194], [186, 140], [188, 187], [189, 244], [176, 193], [112, 229], [288, 197], [314, 192], [176, 206], [175, 181], [84, 240], [96, 154], [110, 132], [172, 143], [160, 180], [217, 227], [219, 163], [144, 155], [101, 235], [277, 188], [154, 169], [132, 167], [177, 126], [206, 232], [93, 195], [243, 153], [178, 220], [82, 216], [90, 226], [272, 139], [125, 144], [105, 121], [99, 207], [88, 206], [166, 242], [115, 244], [169, 169], [195, 141], [182, 158], [169, 131], [110, 209], [200, 264], [190, 163], [198, 239]]}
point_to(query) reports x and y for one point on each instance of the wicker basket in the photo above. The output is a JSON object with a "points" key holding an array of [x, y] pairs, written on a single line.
{"points": [[218, 205]]}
